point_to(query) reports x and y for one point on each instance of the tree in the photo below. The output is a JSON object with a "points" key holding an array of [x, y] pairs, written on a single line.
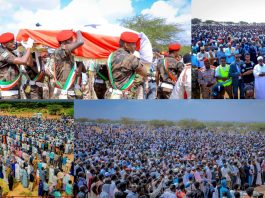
{"points": [[54, 109], [196, 21], [243, 22], [5, 107], [157, 30], [209, 21]]}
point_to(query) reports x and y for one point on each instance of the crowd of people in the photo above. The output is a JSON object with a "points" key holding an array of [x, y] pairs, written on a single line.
{"points": [[35, 71], [115, 160], [228, 61], [37, 154]]}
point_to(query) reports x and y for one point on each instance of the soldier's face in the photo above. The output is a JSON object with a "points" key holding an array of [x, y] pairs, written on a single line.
{"points": [[11, 45], [130, 46], [207, 64]]}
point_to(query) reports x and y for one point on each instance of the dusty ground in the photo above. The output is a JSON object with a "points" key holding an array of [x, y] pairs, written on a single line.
{"points": [[18, 190], [261, 189], [29, 115]]}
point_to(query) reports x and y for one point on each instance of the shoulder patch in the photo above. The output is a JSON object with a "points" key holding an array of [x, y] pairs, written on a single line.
{"points": [[4, 54]]}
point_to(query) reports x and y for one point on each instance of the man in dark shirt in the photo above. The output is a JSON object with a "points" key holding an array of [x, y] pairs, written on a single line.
{"points": [[248, 77]]}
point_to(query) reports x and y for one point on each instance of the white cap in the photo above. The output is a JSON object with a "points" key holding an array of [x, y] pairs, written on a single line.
{"points": [[260, 58]]}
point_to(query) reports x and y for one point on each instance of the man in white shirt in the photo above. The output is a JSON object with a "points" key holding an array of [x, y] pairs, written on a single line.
{"points": [[202, 55], [259, 74]]}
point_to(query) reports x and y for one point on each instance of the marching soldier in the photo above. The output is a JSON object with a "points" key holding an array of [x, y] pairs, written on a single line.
{"points": [[67, 71], [123, 66], [168, 71], [206, 79], [10, 75]]}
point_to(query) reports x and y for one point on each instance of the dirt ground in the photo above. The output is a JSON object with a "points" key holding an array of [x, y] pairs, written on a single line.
{"points": [[261, 189], [19, 190], [29, 115]]}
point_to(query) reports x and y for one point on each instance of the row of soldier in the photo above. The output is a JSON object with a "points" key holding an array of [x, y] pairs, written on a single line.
{"points": [[40, 72]]}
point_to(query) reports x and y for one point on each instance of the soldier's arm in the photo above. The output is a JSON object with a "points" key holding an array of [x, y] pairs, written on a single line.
{"points": [[22, 60], [79, 42]]}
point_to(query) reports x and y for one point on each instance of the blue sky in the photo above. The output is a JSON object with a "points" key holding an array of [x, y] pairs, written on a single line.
{"points": [[210, 110], [61, 14]]}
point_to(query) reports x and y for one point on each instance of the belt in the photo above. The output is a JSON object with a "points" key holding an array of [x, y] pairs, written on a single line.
{"points": [[151, 78], [39, 84], [118, 92], [64, 92], [100, 81], [166, 85], [9, 93]]}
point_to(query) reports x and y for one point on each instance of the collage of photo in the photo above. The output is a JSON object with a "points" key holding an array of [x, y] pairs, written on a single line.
{"points": [[132, 99]]}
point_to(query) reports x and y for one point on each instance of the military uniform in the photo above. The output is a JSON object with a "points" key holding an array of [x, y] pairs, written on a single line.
{"points": [[166, 83], [65, 67], [36, 79], [124, 66], [195, 87], [205, 77], [100, 86], [168, 72], [8, 72]]}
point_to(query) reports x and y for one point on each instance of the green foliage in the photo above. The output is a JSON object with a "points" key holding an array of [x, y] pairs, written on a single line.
{"points": [[191, 124], [52, 108], [5, 106], [185, 50], [243, 22], [156, 29], [209, 21]]}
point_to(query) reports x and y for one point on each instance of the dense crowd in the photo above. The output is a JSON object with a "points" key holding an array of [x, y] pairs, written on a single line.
{"points": [[114, 160], [230, 56], [37, 154]]}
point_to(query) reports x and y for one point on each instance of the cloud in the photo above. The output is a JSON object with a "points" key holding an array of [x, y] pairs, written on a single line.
{"points": [[77, 13], [162, 9], [174, 11]]}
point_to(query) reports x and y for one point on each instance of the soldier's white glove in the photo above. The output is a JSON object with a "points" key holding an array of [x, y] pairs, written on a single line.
{"points": [[137, 54], [28, 44]]}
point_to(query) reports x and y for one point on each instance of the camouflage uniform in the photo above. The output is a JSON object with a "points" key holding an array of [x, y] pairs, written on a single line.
{"points": [[100, 85], [64, 61], [8, 72], [124, 66], [195, 84], [205, 77], [175, 69], [36, 88]]}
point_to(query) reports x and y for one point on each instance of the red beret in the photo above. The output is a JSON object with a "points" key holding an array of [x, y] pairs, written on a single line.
{"points": [[129, 37], [64, 35], [165, 53], [174, 47], [7, 37], [205, 59]]}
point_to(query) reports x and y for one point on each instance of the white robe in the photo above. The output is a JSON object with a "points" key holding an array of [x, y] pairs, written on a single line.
{"points": [[259, 81], [183, 84], [17, 172], [258, 181], [51, 174]]}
